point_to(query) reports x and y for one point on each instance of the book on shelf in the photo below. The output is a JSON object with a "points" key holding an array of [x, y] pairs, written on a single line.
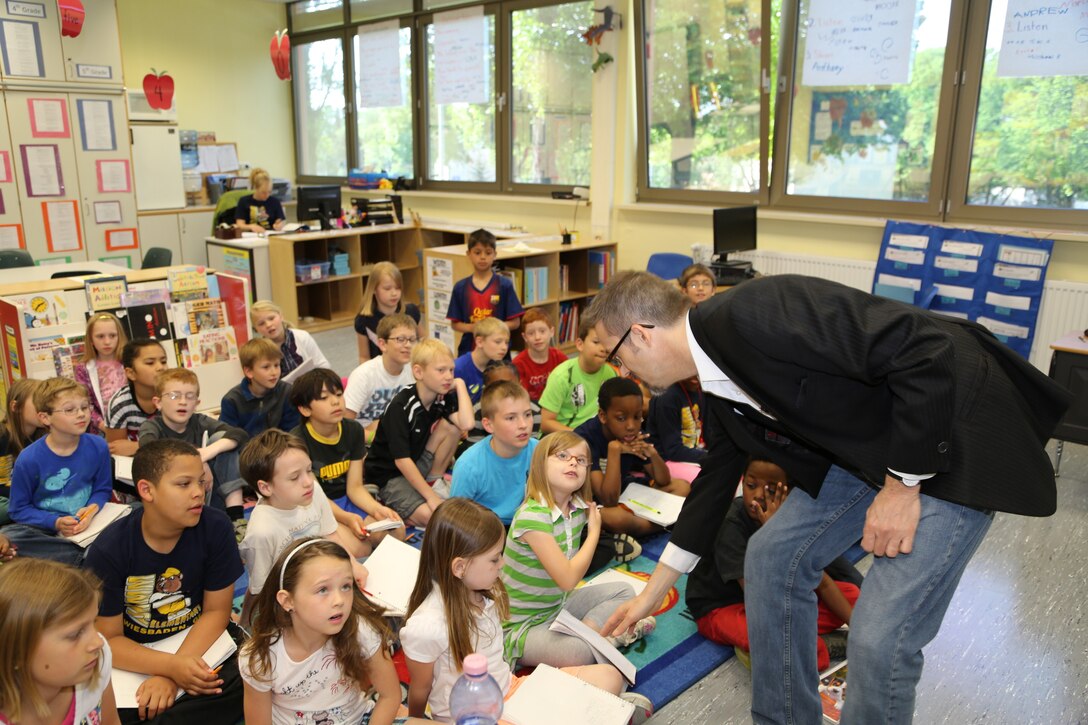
{"points": [[187, 283], [564, 278], [536, 285], [569, 313], [104, 293], [206, 314], [136, 298], [601, 266], [516, 277], [149, 321], [213, 346], [833, 692]]}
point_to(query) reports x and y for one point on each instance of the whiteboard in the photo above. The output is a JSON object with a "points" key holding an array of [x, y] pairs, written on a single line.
{"points": [[858, 42]]}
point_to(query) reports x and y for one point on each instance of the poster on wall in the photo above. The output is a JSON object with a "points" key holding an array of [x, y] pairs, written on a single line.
{"points": [[62, 232], [858, 42], [1044, 40], [41, 169], [113, 176], [461, 71], [5, 167], [120, 239], [107, 212], [21, 48], [96, 125], [48, 117], [11, 236]]}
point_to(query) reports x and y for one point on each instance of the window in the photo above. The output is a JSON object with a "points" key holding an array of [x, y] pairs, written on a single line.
{"points": [[552, 95], [373, 9], [315, 14], [383, 99], [320, 125]]}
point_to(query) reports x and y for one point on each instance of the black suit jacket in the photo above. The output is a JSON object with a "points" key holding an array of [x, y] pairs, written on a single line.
{"points": [[868, 384]]}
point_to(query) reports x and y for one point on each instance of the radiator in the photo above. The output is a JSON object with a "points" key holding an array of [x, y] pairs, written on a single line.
{"points": [[1064, 306]]}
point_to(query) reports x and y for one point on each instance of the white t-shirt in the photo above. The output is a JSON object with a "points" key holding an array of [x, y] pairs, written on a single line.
{"points": [[271, 530], [371, 387], [308, 349], [425, 638], [313, 690]]}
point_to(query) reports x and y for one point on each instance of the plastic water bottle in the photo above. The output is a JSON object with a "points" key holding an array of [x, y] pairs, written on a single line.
{"points": [[476, 698]]}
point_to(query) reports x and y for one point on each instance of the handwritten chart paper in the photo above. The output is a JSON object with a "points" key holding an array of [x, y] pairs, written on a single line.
{"points": [[41, 169], [1044, 39], [379, 80], [858, 42], [96, 125], [48, 117], [61, 226], [461, 56], [21, 47], [113, 176]]}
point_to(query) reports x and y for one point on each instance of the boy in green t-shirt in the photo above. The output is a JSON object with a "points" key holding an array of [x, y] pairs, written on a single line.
{"points": [[570, 396]]}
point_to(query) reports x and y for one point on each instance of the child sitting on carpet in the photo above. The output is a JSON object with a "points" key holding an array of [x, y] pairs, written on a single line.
{"points": [[715, 591], [457, 607], [543, 564]]}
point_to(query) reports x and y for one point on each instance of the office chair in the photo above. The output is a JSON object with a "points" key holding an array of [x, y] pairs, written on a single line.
{"points": [[224, 208], [157, 257], [667, 265], [15, 258]]}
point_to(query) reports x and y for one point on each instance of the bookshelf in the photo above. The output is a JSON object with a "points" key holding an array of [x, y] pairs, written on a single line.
{"points": [[562, 279]]}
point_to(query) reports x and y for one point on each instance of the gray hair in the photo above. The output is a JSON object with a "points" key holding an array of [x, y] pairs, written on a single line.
{"points": [[636, 297]]}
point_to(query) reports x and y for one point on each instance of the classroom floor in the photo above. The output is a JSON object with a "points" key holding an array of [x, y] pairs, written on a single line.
{"points": [[1014, 644]]}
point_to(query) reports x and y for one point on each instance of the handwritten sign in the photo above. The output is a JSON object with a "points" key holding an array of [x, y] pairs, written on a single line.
{"points": [[378, 65], [461, 56], [858, 42], [1044, 39]]}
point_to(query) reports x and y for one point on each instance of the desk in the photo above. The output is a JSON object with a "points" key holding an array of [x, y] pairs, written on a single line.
{"points": [[42, 272], [1069, 367]]}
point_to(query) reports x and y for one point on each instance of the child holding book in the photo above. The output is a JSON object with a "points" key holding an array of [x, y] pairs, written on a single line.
{"points": [[383, 296], [261, 401], [166, 568], [543, 563], [21, 427], [337, 449], [318, 645], [374, 383], [56, 667], [492, 342], [143, 360], [457, 607], [570, 395], [418, 434], [536, 362], [61, 481], [100, 370], [296, 345], [715, 591], [698, 283], [483, 293], [177, 395]]}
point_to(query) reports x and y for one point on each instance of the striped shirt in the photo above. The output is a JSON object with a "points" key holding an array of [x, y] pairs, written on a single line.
{"points": [[535, 598], [124, 413]]}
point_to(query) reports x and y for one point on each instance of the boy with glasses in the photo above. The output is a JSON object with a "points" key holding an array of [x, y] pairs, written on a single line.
{"points": [[177, 395], [698, 282], [374, 383], [59, 482]]}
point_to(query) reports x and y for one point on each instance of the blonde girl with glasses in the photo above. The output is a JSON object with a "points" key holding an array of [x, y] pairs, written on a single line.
{"points": [[546, 557]]}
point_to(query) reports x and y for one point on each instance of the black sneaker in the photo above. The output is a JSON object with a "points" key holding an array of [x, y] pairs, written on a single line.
{"points": [[836, 644], [624, 548]]}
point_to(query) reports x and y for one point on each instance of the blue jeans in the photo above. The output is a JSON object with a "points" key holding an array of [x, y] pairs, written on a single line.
{"points": [[35, 543], [902, 602]]}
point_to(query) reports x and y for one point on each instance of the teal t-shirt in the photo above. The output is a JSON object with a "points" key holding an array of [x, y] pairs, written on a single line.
{"points": [[571, 393]]}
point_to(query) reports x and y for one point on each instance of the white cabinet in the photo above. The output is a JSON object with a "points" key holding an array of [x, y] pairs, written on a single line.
{"points": [[193, 227], [160, 230], [94, 56]]}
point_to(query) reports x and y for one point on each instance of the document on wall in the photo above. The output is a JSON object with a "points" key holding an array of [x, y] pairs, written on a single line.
{"points": [[11, 236], [41, 169], [113, 176], [107, 212], [858, 43], [461, 55], [22, 49], [48, 117], [96, 125], [380, 84], [1044, 39], [61, 226]]}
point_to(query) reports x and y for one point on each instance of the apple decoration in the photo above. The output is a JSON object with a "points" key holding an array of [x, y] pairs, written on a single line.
{"points": [[280, 51], [71, 17], [159, 89]]}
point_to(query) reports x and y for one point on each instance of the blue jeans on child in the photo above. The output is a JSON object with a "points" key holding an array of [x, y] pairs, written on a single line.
{"points": [[902, 602], [35, 543]]}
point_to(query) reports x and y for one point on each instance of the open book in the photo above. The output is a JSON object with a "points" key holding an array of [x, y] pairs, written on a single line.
{"points": [[603, 651], [105, 516], [833, 692], [126, 683], [392, 575], [550, 696], [652, 504]]}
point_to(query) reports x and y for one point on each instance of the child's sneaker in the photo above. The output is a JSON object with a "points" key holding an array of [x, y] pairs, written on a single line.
{"points": [[441, 486], [240, 526], [643, 707], [642, 628], [626, 547], [836, 644]]}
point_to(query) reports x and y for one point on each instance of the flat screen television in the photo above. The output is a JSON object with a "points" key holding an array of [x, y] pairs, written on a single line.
{"points": [[734, 231], [319, 202]]}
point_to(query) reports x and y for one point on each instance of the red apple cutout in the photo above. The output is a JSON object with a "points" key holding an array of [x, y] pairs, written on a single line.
{"points": [[280, 50], [71, 17], [159, 89]]}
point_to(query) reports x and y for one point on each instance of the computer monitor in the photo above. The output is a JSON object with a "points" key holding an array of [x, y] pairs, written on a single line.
{"points": [[734, 231], [319, 202]]}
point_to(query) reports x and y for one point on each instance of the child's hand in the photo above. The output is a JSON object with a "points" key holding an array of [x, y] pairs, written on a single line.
{"points": [[384, 512], [7, 549], [67, 525], [206, 454], [360, 574], [155, 696], [355, 523], [593, 514], [207, 479], [194, 676], [84, 516], [774, 497]]}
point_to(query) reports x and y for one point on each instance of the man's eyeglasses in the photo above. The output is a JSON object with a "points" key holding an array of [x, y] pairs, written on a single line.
{"points": [[401, 340], [566, 457], [613, 358]]}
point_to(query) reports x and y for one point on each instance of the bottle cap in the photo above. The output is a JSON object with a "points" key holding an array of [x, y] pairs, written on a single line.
{"points": [[475, 665]]}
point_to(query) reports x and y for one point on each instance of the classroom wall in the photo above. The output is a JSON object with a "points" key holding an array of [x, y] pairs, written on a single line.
{"points": [[217, 53]]}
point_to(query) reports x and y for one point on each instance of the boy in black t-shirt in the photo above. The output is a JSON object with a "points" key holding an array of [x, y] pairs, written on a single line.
{"points": [[418, 434], [337, 448], [166, 568]]}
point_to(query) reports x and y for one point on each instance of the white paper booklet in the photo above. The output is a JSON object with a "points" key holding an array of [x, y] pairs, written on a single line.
{"points": [[384, 525], [126, 683], [122, 468], [603, 651], [392, 575], [550, 696], [652, 504], [105, 516]]}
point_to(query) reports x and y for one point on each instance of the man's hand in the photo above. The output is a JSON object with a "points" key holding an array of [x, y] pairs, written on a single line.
{"points": [[628, 614], [155, 696], [892, 519]]}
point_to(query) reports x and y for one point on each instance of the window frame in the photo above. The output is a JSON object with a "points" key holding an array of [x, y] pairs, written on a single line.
{"points": [[349, 117]]}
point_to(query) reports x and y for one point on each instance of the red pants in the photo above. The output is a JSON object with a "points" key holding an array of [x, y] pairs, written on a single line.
{"points": [[729, 625]]}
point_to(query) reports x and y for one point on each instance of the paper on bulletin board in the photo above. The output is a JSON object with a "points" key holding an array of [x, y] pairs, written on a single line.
{"points": [[227, 157], [208, 160], [96, 125], [61, 226], [11, 236], [41, 169], [441, 331], [237, 262], [858, 43], [380, 85], [120, 239], [113, 176], [21, 47], [440, 274], [461, 70], [5, 167], [107, 212], [48, 117], [1044, 40], [438, 304]]}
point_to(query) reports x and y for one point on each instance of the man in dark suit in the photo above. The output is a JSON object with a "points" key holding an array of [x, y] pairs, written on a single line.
{"points": [[908, 430]]}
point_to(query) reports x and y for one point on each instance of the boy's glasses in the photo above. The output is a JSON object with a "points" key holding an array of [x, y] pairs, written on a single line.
{"points": [[613, 358], [72, 410], [401, 340], [178, 395], [566, 457], [700, 284]]}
